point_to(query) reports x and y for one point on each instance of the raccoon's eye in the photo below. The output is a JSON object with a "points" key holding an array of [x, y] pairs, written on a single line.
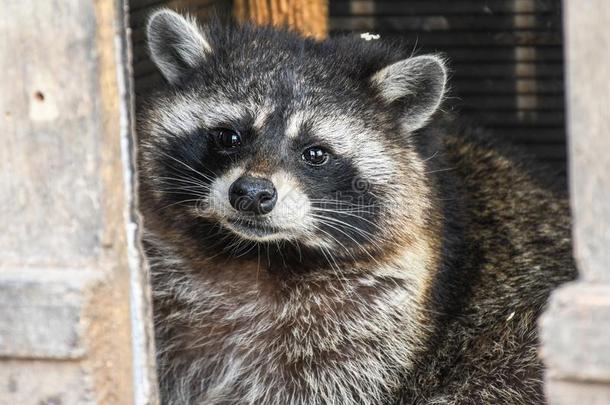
{"points": [[315, 155], [227, 138]]}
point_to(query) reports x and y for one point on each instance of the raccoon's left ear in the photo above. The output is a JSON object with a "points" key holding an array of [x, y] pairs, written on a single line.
{"points": [[176, 44], [417, 83]]}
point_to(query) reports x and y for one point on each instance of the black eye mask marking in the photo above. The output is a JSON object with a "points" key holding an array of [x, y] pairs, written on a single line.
{"points": [[343, 204], [226, 138], [315, 155]]}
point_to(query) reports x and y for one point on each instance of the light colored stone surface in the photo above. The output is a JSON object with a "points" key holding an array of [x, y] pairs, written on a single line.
{"points": [[571, 393], [73, 318], [575, 330], [44, 383], [576, 333], [41, 313], [588, 90], [145, 382], [50, 201]]}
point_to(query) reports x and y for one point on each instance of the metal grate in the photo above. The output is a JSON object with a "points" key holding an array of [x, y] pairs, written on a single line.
{"points": [[506, 59]]}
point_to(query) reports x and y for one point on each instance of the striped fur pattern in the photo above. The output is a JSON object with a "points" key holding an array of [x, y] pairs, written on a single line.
{"points": [[409, 267]]}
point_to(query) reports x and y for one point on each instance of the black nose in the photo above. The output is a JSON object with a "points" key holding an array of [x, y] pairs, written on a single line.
{"points": [[252, 194]]}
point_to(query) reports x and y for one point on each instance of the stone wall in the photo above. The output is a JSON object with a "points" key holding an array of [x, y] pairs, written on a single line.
{"points": [[74, 317], [576, 327]]}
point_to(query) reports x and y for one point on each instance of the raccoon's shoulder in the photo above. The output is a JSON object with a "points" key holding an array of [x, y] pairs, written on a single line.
{"points": [[515, 219], [516, 204], [514, 250]]}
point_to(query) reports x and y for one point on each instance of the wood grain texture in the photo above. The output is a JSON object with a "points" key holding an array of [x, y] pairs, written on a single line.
{"points": [[575, 328], [589, 133], [65, 318], [309, 17]]}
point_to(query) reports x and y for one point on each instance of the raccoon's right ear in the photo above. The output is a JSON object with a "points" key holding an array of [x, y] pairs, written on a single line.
{"points": [[417, 83], [176, 44]]}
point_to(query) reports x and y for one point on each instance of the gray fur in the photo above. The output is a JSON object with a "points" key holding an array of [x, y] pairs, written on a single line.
{"points": [[175, 44], [418, 281], [405, 79]]}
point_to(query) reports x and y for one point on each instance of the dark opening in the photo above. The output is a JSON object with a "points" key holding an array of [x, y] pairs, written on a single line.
{"points": [[506, 58]]}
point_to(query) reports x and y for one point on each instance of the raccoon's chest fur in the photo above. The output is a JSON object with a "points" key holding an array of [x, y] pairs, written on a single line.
{"points": [[260, 341]]}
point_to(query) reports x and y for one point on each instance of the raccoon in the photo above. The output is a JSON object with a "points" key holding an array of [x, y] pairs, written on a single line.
{"points": [[321, 232]]}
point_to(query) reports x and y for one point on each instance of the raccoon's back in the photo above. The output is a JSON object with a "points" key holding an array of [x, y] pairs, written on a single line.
{"points": [[516, 221], [514, 250]]}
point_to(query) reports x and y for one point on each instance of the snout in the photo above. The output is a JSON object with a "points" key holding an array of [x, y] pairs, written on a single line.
{"points": [[253, 195]]}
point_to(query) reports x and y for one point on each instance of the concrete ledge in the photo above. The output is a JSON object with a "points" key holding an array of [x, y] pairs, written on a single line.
{"points": [[570, 393], [31, 382], [41, 313], [575, 333]]}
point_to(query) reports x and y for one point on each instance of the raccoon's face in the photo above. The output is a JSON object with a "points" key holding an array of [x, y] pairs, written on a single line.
{"points": [[267, 139]]}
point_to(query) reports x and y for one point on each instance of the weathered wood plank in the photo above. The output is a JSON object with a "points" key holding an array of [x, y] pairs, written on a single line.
{"points": [[575, 329], [307, 17], [576, 333], [66, 244], [589, 129], [50, 193], [42, 313]]}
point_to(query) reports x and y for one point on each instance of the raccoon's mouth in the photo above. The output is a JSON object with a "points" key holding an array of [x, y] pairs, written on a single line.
{"points": [[255, 230]]}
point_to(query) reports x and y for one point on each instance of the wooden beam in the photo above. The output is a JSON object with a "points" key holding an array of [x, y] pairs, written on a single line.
{"points": [[575, 328], [73, 292], [308, 17]]}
